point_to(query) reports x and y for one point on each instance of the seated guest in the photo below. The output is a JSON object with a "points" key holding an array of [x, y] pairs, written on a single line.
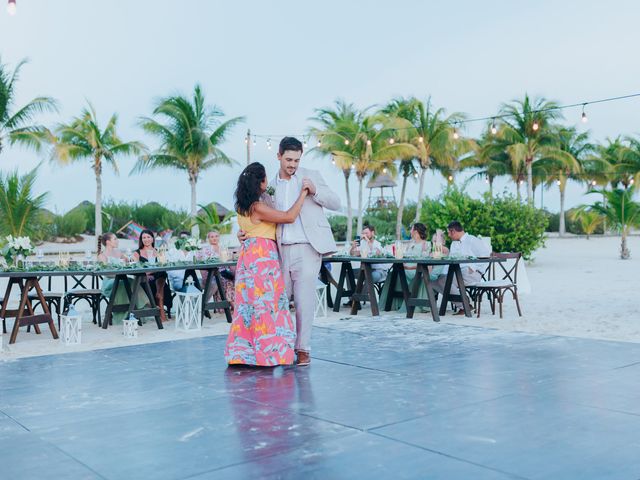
{"points": [[418, 247], [463, 245], [147, 252], [227, 275], [373, 246], [109, 254]]}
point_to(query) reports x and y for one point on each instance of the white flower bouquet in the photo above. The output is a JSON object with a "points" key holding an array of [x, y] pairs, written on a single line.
{"points": [[15, 247], [191, 244]]}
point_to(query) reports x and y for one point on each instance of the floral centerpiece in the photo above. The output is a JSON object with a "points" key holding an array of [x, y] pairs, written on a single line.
{"points": [[16, 248]]}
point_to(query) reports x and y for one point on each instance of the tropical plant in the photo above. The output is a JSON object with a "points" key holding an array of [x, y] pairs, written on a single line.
{"points": [[20, 207], [560, 171], [621, 212], [190, 139], [209, 220], [82, 139], [433, 137], [370, 143], [16, 127], [71, 224], [335, 125], [526, 135], [588, 219]]}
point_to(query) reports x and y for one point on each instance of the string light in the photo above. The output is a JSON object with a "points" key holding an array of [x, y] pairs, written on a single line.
{"points": [[494, 129], [593, 183], [346, 141], [254, 141], [558, 182], [631, 181], [421, 139], [486, 180], [304, 144], [415, 175], [391, 141], [521, 182], [269, 143], [451, 178], [333, 160], [384, 170], [456, 135], [535, 126], [319, 144], [11, 7], [368, 142], [353, 166], [584, 115], [246, 140]]}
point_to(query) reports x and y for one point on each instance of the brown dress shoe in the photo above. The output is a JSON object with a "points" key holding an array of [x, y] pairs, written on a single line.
{"points": [[303, 359]]}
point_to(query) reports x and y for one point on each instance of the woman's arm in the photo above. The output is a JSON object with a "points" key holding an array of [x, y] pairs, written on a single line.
{"points": [[263, 212]]}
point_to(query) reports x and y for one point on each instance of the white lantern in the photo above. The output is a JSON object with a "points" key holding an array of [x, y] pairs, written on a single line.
{"points": [[321, 300], [188, 308], [130, 327], [71, 327]]}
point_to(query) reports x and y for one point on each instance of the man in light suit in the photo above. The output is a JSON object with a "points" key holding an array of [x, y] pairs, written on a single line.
{"points": [[302, 244]]}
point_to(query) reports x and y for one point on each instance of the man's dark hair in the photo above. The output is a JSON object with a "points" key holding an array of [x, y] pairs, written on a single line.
{"points": [[289, 143], [370, 227], [456, 226]]}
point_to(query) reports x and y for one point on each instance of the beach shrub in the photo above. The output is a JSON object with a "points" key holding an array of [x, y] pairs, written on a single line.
{"points": [[70, 225], [512, 225], [20, 207]]}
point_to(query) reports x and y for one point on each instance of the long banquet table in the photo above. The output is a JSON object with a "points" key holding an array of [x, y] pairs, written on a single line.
{"points": [[362, 288], [28, 280]]}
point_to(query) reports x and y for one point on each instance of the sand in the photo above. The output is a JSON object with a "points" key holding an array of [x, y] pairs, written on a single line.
{"points": [[578, 288]]}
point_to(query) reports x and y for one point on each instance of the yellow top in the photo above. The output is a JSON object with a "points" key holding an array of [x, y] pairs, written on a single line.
{"points": [[257, 230]]}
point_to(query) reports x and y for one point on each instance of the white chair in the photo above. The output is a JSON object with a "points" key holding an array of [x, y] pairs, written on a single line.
{"points": [[321, 299]]}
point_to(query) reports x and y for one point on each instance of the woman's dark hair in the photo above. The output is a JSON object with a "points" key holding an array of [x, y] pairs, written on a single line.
{"points": [[421, 228], [289, 143], [248, 190], [103, 239], [148, 232]]}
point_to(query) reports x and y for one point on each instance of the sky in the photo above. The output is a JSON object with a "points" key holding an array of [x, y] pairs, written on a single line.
{"points": [[275, 62]]}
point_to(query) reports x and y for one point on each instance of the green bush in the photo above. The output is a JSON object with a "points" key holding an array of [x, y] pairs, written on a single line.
{"points": [[512, 225], [71, 224]]}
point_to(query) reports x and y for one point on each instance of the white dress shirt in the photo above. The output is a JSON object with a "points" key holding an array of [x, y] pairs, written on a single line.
{"points": [[470, 246], [287, 192]]}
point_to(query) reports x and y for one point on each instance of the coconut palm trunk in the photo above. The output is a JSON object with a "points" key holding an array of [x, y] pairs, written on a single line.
{"points": [[562, 227], [401, 208], [98, 205], [423, 174], [625, 254], [491, 186], [349, 234], [530, 181], [360, 196], [195, 229]]}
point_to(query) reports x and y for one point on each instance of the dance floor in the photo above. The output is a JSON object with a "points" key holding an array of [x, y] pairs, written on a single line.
{"points": [[462, 402]]}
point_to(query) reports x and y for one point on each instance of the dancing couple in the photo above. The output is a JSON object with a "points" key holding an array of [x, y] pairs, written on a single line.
{"points": [[284, 234]]}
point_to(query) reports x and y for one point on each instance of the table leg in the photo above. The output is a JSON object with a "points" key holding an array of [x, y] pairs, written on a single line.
{"points": [[355, 303], [223, 299], [45, 308], [463, 291], [143, 281], [368, 276], [340, 289], [428, 285], [108, 314], [393, 279], [447, 290], [325, 276]]}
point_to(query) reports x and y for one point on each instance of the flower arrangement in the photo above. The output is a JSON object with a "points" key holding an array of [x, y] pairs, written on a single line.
{"points": [[191, 244], [16, 246]]}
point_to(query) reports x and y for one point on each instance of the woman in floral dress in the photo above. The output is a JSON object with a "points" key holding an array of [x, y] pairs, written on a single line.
{"points": [[262, 332]]}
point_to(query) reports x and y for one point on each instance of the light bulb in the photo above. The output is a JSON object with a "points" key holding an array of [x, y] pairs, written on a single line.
{"points": [[333, 160], [593, 183], [585, 119], [421, 139], [269, 144], [494, 129], [415, 175], [456, 135], [486, 180], [346, 142], [631, 181], [384, 170], [451, 178], [246, 140], [558, 182], [11, 7], [391, 141], [535, 126], [319, 144], [353, 166], [254, 142], [521, 182], [304, 144], [368, 142]]}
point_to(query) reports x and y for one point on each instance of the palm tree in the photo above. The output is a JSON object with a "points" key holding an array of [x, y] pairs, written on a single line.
{"points": [[19, 206], [617, 155], [335, 125], [16, 126], [432, 136], [629, 170], [526, 135], [491, 160], [82, 139], [577, 147], [190, 139], [621, 211], [588, 218], [209, 220]]}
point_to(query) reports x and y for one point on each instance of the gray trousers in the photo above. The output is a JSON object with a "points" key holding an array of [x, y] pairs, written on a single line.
{"points": [[300, 267]]}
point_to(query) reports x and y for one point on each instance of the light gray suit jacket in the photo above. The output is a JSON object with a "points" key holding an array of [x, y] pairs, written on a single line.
{"points": [[314, 221]]}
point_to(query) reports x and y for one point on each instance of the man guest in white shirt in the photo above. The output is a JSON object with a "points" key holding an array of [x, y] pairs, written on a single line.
{"points": [[463, 245]]}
